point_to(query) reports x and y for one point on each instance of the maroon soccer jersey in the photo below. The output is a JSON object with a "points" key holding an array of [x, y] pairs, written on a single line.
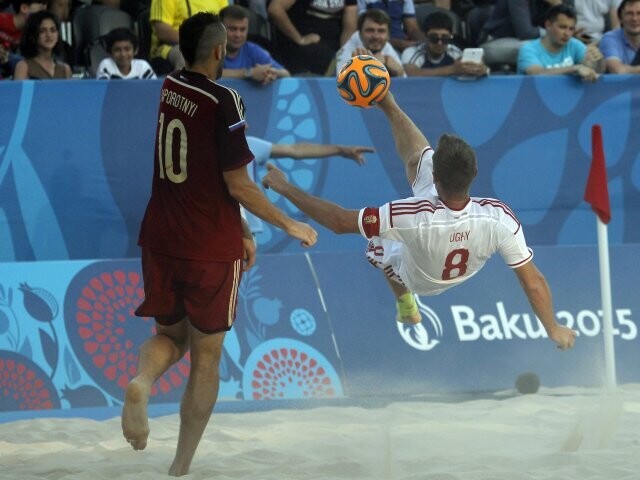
{"points": [[200, 134]]}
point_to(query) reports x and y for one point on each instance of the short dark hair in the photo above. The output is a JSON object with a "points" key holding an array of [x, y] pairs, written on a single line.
{"points": [[121, 34], [29, 39], [561, 9], [623, 4], [437, 20], [237, 12], [454, 164], [199, 34], [375, 15]]}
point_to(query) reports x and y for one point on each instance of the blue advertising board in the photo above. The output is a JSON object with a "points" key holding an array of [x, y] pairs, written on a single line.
{"points": [[312, 325], [76, 156]]}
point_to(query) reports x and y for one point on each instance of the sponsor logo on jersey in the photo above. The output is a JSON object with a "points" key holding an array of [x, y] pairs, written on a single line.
{"points": [[369, 219]]}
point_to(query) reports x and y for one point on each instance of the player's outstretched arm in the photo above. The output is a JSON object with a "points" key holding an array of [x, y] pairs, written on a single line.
{"points": [[410, 142], [328, 214], [245, 191], [537, 290], [318, 150]]}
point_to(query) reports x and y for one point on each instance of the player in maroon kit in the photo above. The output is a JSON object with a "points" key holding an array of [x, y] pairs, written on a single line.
{"points": [[192, 237]]}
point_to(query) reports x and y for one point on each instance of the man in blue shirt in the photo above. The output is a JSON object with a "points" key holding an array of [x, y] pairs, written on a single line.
{"points": [[621, 47], [264, 150], [246, 59], [558, 53]]}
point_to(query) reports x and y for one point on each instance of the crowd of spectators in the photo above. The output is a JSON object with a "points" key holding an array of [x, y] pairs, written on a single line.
{"points": [[314, 37]]}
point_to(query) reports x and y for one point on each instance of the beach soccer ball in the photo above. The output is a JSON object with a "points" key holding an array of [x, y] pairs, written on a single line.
{"points": [[363, 81]]}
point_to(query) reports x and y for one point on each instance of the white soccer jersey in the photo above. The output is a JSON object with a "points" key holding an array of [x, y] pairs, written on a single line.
{"points": [[432, 247], [140, 69]]}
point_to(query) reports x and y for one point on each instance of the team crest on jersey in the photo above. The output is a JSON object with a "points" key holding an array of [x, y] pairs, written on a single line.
{"points": [[370, 219]]}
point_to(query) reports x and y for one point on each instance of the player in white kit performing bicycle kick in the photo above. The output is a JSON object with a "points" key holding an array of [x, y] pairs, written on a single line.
{"points": [[441, 236]]}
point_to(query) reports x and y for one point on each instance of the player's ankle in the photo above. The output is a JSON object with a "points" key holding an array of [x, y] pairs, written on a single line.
{"points": [[407, 306]]}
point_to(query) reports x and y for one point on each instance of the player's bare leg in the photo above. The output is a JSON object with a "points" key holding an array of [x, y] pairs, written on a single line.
{"points": [[406, 305], [155, 357], [199, 397], [409, 140]]}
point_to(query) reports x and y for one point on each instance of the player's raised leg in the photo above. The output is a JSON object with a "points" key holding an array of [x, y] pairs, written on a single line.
{"points": [[199, 397], [409, 140], [384, 254], [156, 355], [406, 304]]}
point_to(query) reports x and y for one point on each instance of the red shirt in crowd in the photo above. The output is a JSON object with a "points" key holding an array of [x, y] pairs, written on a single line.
{"points": [[8, 31]]}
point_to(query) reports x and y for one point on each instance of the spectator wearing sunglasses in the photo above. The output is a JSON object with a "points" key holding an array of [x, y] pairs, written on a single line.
{"points": [[438, 56]]}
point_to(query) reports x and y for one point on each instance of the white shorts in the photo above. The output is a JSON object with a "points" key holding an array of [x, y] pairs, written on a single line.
{"points": [[386, 254]]}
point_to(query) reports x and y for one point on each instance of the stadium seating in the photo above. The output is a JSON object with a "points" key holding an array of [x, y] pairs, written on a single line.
{"points": [[90, 22]]}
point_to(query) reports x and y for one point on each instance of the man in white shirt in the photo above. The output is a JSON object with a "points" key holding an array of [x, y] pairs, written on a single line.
{"points": [[372, 38], [441, 236]]}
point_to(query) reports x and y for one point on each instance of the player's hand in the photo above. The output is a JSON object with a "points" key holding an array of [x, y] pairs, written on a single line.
{"points": [[249, 246], [563, 337], [355, 153], [303, 232], [275, 179]]}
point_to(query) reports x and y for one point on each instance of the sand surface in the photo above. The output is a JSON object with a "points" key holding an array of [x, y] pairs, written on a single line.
{"points": [[567, 433]]}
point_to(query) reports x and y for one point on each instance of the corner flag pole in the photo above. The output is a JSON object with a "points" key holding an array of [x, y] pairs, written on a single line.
{"points": [[607, 309], [597, 194]]}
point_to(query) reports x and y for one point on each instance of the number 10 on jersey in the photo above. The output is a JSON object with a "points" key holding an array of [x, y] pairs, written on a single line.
{"points": [[165, 155]]}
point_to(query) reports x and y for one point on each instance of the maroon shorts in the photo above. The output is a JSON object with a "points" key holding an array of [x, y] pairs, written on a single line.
{"points": [[206, 292]]}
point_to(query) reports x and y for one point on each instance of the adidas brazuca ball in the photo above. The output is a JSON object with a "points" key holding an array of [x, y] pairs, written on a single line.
{"points": [[363, 81]]}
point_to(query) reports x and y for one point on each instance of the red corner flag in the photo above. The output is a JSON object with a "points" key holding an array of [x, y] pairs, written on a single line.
{"points": [[597, 193]]}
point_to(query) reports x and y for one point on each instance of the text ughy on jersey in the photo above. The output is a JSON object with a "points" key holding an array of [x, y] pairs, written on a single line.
{"points": [[459, 236]]}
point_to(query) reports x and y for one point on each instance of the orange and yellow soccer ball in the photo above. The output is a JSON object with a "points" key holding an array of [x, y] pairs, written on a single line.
{"points": [[363, 81]]}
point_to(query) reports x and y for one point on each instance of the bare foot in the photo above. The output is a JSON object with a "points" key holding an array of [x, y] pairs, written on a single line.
{"points": [[135, 425], [177, 471]]}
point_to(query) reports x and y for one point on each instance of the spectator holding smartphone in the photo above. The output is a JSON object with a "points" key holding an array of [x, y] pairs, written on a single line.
{"points": [[438, 56]]}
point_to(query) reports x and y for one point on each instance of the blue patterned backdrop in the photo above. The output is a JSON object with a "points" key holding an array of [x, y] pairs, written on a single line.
{"points": [[69, 337], [318, 325], [75, 167], [76, 157]]}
